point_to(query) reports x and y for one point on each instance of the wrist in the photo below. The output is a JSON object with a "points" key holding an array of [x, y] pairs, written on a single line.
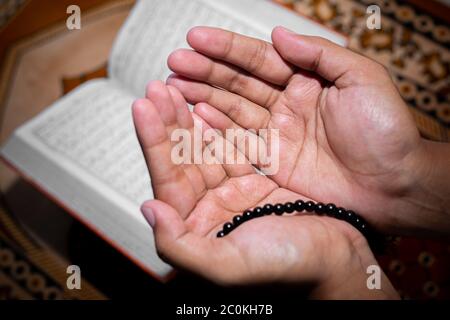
{"points": [[435, 179], [429, 194], [356, 277]]}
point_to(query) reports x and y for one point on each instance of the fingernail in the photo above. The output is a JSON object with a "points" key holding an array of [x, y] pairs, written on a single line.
{"points": [[148, 215], [286, 30]]}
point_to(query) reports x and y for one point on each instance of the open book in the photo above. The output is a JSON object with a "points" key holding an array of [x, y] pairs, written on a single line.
{"points": [[83, 151]]}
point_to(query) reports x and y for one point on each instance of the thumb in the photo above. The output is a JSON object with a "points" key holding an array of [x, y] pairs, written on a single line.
{"points": [[331, 61], [174, 242], [165, 221]]}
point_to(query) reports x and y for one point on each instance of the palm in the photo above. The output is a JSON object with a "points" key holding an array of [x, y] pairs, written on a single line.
{"points": [[267, 248], [203, 197], [342, 142], [324, 144]]}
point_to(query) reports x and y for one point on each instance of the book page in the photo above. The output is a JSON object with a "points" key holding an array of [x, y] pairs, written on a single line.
{"points": [[155, 28], [97, 133], [84, 152]]}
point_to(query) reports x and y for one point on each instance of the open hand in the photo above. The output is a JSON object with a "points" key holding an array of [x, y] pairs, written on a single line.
{"points": [[346, 135]]}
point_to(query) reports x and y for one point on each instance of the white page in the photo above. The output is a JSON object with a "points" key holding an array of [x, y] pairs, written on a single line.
{"points": [[156, 28], [94, 129]]}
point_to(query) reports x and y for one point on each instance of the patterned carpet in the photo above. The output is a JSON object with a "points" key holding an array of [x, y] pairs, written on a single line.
{"points": [[29, 271], [413, 44]]}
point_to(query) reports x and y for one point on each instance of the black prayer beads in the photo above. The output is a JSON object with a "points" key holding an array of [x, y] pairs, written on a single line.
{"points": [[330, 209]]}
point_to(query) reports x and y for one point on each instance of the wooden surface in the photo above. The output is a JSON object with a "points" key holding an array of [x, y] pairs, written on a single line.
{"points": [[37, 15]]}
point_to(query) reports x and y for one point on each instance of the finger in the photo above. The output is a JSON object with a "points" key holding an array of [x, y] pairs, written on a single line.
{"points": [[184, 117], [212, 172], [195, 66], [329, 60], [253, 55], [172, 115], [224, 152], [246, 141], [244, 112], [169, 181], [202, 177], [158, 93], [180, 247]]}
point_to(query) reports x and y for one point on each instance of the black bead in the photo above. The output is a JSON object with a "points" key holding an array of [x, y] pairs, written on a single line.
{"points": [[247, 215], [258, 212], [340, 213], [357, 221], [279, 209], [330, 209], [350, 216], [360, 227], [237, 220], [268, 209], [220, 234], [289, 207], [227, 227], [320, 208], [299, 205], [310, 206]]}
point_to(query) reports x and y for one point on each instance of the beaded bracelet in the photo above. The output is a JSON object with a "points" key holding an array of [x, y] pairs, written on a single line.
{"points": [[376, 242]]}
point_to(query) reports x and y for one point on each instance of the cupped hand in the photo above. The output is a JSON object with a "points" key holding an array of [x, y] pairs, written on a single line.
{"points": [[346, 135], [195, 200]]}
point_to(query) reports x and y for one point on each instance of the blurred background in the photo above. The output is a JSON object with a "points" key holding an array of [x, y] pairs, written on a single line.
{"points": [[41, 61]]}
